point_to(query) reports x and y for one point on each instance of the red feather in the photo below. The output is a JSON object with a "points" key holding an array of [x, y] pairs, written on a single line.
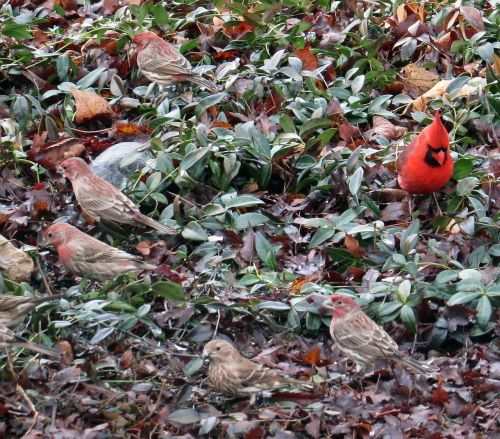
{"points": [[425, 165]]}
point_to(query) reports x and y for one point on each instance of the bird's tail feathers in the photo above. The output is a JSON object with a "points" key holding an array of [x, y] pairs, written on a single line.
{"points": [[418, 366], [150, 222], [35, 347], [209, 85]]}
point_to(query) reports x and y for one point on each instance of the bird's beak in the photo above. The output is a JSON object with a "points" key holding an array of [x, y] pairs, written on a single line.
{"points": [[205, 356], [60, 170], [318, 301], [440, 157]]}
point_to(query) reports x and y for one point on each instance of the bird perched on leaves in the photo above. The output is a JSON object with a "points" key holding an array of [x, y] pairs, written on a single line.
{"points": [[359, 337], [101, 200], [84, 255], [13, 309], [160, 62], [9, 340], [231, 373], [425, 165]]}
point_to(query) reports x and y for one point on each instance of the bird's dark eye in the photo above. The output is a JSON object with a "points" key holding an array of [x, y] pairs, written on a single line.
{"points": [[217, 348], [50, 235], [338, 302]]}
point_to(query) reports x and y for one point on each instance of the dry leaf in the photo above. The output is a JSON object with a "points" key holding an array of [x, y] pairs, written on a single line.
{"points": [[383, 127], [420, 103], [50, 154], [496, 63], [353, 247], [90, 106], [309, 60], [313, 356], [418, 80]]}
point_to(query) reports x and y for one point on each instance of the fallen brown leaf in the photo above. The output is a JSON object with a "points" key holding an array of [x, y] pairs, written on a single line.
{"points": [[90, 106]]}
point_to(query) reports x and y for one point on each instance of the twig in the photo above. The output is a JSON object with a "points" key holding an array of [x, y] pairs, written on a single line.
{"points": [[44, 278], [31, 407]]}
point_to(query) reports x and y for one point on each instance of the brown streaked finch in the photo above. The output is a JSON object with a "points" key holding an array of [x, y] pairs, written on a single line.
{"points": [[10, 340], [359, 337], [13, 309], [231, 373], [101, 200], [83, 254], [160, 62]]}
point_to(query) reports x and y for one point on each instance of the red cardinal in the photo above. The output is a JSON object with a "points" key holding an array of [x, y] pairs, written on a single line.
{"points": [[425, 165], [359, 337], [162, 63]]}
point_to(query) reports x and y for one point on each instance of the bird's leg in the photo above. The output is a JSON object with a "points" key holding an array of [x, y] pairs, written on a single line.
{"points": [[440, 213], [410, 206]]}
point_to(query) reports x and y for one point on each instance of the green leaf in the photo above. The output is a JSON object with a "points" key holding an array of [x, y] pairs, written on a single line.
{"points": [[193, 366], [208, 102], [161, 15], [463, 297], [90, 79], [484, 311], [467, 185], [192, 158], [275, 306], [287, 123], [457, 84], [101, 334], [314, 125], [389, 308], [408, 318], [194, 232], [15, 30], [355, 181], [462, 168], [323, 234], [169, 290], [243, 201], [184, 417], [250, 220], [446, 276]]}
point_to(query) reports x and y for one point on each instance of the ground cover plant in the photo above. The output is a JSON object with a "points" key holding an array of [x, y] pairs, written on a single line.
{"points": [[279, 182]]}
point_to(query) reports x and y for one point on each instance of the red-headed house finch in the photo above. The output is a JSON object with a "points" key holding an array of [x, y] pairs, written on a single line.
{"points": [[84, 255], [231, 373], [160, 62], [101, 200], [13, 309], [10, 340], [359, 337]]}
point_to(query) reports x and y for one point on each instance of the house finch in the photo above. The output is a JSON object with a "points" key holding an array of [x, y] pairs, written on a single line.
{"points": [[84, 255], [13, 309], [229, 372], [425, 165], [162, 63], [9, 340], [101, 200], [359, 337]]}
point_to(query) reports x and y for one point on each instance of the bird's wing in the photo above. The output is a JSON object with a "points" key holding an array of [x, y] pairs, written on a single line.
{"points": [[256, 377], [105, 201], [94, 251], [162, 66], [10, 302], [362, 333]]}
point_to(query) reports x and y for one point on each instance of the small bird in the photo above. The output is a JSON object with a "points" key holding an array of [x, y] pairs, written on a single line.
{"points": [[425, 165], [359, 337], [83, 255], [101, 200], [10, 340], [160, 62], [13, 309], [231, 373]]}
